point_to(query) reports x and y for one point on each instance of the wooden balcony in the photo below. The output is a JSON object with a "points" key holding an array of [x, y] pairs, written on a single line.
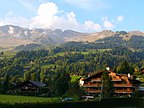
{"points": [[115, 91], [93, 91], [122, 91], [116, 79], [92, 85], [123, 85]]}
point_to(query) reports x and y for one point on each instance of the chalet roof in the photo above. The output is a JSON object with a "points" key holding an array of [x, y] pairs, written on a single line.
{"points": [[36, 83], [118, 77], [95, 74]]}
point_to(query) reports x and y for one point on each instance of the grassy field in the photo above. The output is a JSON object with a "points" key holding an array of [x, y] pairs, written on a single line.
{"points": [[7, 54], [10, 101], [74, 78], [25, 99], [105, 103]]}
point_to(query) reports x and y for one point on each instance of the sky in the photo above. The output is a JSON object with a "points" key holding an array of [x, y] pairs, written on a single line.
{"points": [[79, 15]]}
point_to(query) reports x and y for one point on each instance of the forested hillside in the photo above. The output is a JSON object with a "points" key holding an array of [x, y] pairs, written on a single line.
{"points": [[41, 64]]}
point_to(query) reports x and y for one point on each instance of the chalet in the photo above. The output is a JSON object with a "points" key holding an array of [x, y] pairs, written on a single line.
{"points": [[123, 84], [29, 87]]}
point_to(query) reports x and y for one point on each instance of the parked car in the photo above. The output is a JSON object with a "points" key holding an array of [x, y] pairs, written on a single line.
{"points": [[67, 99], [87, 97]]}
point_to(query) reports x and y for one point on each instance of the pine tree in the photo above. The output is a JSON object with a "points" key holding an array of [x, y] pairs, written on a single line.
{"points": [[61, 83], [125, 68], [107, 85], [5, 85]]}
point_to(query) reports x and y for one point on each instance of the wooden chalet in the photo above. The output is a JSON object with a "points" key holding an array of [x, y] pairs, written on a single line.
{"points": [[123, 84], [30, 87]]}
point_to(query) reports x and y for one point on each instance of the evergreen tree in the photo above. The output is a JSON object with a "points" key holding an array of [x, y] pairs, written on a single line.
{"points": [[125, 68], [5, 84], [61, 83], [75, 89], [33, 76], [27, 76], [107, 85]]}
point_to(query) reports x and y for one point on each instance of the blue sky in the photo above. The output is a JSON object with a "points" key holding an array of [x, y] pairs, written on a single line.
{"points": [[79, 15]]}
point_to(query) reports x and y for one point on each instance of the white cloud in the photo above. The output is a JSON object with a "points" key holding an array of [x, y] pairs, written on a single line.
{"points": [[107, 24], [47, 10], [50, 16], [19, 21], [89, 25], [46, 15], [120, 18]]}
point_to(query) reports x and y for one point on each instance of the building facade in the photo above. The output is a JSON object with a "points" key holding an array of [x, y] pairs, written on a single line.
{"points": [[29, 87], [122, 84]]}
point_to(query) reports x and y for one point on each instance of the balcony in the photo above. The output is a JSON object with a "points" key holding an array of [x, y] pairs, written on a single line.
{"points": [[92, 85], [93, 91], [116, 79], [122, 91], [123, 85]]}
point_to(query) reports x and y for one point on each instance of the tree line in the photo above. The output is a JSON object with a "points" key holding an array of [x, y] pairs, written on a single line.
{"points": [[54, 69]]}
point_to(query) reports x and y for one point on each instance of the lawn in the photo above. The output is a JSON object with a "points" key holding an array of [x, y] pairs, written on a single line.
{"points": [[74, 78], [25, 99], [11, 101]]}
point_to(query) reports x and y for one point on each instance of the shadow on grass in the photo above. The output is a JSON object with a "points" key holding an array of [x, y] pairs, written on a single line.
{"points": [[105, 103]]}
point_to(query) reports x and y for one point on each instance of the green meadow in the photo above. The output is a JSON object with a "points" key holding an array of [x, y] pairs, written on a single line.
{"points": [[10, 101], [26, 99]]}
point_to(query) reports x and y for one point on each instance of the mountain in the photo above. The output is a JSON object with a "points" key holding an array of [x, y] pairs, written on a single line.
{"points": [[12, 36], [91, 37]]}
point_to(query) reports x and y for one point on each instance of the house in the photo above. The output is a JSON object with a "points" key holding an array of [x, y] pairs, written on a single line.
{"points": [[123, 84], [30, 87]]}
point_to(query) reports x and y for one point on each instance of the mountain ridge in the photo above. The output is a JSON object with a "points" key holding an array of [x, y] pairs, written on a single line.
{"points": [[12, 36]]}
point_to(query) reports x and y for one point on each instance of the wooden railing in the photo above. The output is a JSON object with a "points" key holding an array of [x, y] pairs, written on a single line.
{"points": [[93, 91], [123, 91], [115, 91], [92, 85], [115, 85], [116, 79], [123, 85]]}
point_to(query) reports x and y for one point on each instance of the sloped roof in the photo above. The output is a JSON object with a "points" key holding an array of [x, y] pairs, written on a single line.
{"points": [[36, 83], [95, 74]]}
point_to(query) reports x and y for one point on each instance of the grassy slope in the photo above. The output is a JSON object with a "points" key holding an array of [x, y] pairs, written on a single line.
{"points": [[25, 99], [7, 54], [74, 78]]}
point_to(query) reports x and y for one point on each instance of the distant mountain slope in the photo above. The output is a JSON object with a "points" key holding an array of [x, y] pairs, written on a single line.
{"points": [[91, 37], [12, 36]]}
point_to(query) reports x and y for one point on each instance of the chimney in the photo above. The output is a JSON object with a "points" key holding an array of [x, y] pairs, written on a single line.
{"points": [[129, 75], [108, 68]]}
